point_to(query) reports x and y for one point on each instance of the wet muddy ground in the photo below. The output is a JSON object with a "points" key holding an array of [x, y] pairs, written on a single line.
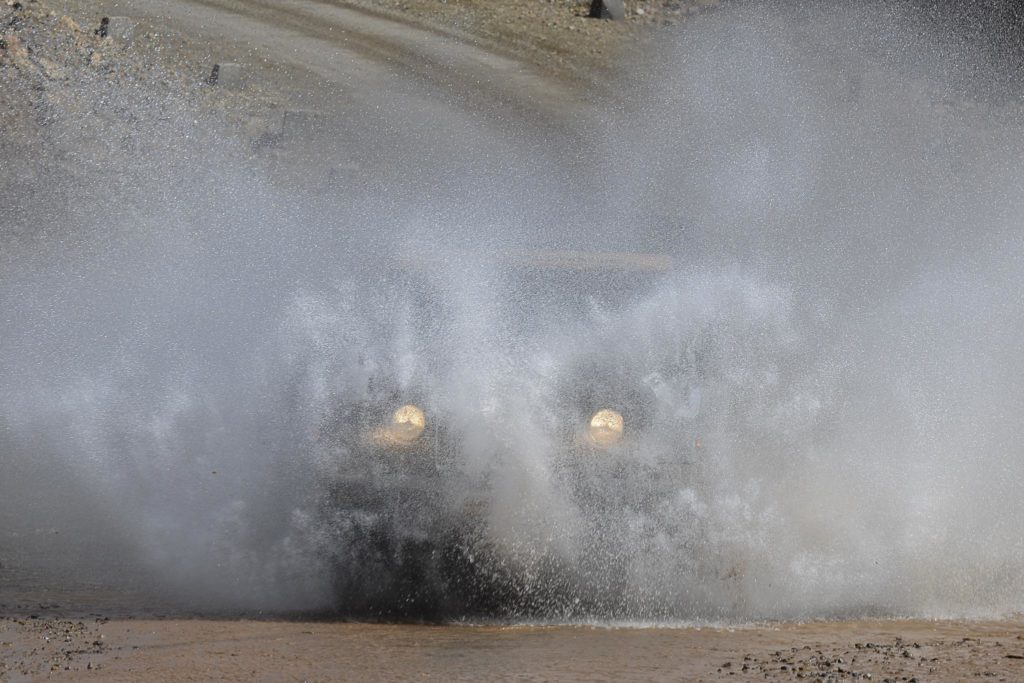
{"points": [[54, 648], [105, 621], [109, 624]]}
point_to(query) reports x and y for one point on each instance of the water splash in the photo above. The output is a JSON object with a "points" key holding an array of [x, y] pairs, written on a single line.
{"points": [[821, 394]]}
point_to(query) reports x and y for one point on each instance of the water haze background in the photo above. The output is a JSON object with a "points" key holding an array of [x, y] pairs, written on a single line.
{"points": [[845, 193]]}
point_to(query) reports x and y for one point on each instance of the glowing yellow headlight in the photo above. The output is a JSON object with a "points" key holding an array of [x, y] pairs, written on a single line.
{"points": [[406, 427], [407, 424], [605, 428]]}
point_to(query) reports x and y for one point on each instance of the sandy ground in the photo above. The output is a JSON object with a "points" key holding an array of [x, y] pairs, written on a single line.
{"points": [[201, 650]]}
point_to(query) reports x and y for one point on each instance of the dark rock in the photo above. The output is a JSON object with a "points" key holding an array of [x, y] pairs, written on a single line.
{"points": [[608, 9]]}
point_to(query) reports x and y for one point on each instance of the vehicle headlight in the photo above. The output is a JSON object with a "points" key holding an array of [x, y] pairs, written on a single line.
{"points": [[605, 428], [406, 427]]}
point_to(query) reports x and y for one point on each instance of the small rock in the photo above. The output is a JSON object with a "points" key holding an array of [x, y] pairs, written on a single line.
{"points": [[69, 24], [226, 74], [52, 70], [11, 45], [117, 28]]}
